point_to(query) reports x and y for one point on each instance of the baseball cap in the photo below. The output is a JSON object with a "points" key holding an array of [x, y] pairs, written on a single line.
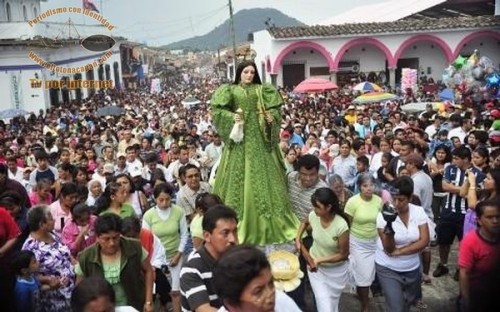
{"points": [[108, 168], [495, 113], [135, 172], [120, 154]]}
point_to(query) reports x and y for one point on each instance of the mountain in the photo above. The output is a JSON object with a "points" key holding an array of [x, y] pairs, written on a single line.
{"points": [[245, 22]]}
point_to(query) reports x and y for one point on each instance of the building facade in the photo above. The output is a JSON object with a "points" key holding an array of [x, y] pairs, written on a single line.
{"points": [[288, 55], [22, 38]]}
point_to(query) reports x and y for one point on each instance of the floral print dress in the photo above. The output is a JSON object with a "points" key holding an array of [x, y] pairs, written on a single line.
{"points": [[55, 260]]}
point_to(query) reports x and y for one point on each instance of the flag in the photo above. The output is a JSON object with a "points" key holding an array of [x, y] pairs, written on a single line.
{"points": [[89, 5]]}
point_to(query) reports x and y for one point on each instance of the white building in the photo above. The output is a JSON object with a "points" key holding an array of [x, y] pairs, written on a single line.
{"points": [[380, 39], [53, 42]]}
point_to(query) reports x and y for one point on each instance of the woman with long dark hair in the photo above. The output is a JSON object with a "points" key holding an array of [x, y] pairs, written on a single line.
{"points": [[489, 191], [251, 174], [327, 258], [441, 159]]}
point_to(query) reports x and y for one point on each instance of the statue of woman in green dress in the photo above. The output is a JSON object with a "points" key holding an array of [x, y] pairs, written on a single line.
{"points": [[251, 175]]}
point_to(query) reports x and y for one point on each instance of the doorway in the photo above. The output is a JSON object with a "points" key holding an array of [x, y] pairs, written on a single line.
{"points": [[293, 74], [405, 63]]}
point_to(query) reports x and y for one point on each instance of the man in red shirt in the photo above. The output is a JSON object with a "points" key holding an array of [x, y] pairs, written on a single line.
{"points": [[9, 232], [479, 260]]}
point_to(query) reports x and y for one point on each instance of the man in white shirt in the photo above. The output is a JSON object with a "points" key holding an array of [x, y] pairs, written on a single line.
{"points": [[133, 163], [121, 163], [461, 131], [214, 150], [14, 172], [433, 128], [152, 165], [183, 160], [188, 192]]}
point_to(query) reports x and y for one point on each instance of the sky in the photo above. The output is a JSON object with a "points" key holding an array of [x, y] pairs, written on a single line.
{"points": [[158, 22]]}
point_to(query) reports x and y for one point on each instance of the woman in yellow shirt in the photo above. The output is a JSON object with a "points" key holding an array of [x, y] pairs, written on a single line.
{"points": [[362, 210], [327, 258]]}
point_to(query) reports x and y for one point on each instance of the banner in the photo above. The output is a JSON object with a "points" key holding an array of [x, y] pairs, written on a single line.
{"points": [[15, 90]]}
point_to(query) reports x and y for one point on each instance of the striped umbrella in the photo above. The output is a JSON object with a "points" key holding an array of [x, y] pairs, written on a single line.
{"points": [[315, 85], [373, 97], [367, 87]]}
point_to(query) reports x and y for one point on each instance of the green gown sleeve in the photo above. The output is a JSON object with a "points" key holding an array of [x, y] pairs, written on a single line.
{"points": [[273, 101], [223, 111]]}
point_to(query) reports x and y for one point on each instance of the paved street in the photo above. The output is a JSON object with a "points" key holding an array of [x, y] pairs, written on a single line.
{"points": [[439, 296]]}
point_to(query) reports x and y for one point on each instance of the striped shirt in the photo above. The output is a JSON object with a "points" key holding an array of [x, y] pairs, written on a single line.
{"points": [[456, 176], [300, 197], [196, 281]]}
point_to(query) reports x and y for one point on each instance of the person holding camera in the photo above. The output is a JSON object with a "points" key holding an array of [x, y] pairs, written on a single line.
{"points": [[403, 234]]}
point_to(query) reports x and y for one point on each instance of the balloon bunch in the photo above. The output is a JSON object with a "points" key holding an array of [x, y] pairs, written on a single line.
{"points": [[409, 79], [476, 76]]}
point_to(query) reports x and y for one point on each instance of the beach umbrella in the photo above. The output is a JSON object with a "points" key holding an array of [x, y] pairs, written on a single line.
{"points": [[315, 85], [12, 112], [190, 101], [447, 95], [373, 97], [418, 107], [110, 111], [367, 87]]}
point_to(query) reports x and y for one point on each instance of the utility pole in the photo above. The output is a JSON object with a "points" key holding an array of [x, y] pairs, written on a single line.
{"points": [[233, 35], [218, 62]]}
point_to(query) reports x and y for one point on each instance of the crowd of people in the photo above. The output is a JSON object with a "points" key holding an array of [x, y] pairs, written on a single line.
{"points": [[96, 209]]}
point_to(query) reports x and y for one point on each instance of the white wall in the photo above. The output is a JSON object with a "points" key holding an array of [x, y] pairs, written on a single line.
{"points": [[262, 44], [488, 47], [34, 99], [372, 59], [429, 55]]}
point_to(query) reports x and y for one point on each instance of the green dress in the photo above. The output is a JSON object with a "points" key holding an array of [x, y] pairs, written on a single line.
{"points": [[251, 175]]}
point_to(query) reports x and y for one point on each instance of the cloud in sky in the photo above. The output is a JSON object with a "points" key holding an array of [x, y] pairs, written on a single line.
{"points": [[163, 21]]}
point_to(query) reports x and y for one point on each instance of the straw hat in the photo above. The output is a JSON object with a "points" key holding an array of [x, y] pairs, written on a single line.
{"points": [[285, 268]]}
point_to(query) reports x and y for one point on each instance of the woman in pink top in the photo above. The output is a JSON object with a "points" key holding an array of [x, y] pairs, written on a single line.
{"points": [[79, 233], [61, 209], [41, 195]]}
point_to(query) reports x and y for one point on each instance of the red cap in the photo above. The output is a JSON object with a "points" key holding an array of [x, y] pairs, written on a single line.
{"points": [[495, 113]]}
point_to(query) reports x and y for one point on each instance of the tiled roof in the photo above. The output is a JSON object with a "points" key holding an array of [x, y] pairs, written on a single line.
{"points": [[403, 25]]}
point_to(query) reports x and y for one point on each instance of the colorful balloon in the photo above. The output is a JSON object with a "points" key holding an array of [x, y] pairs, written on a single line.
{"points": [[485, 62], [493, 80], [459, 62], [478, 72], [474, 58]]}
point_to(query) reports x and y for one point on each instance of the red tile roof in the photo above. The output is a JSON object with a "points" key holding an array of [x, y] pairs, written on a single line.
{"points": [[400, 26]]}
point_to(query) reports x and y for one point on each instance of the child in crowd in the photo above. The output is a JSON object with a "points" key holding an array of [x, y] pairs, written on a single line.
{"points": [[403, 172], [440, 138], [27, 286], [42, 193], [79, 233], [362, 165], [26, 179], [92, 159]]}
